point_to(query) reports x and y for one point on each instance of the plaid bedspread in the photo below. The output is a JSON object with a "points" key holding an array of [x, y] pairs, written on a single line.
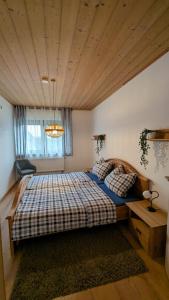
{"points": [[50, 210], [53, 180]]}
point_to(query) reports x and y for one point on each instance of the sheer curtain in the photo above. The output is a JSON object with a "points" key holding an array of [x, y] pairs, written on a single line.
{"points": [[36, 143], [20, 131], [66, 114]]}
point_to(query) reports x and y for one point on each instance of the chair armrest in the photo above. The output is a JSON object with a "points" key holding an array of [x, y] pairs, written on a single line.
{"points": [[30, 166], [33, 167]]}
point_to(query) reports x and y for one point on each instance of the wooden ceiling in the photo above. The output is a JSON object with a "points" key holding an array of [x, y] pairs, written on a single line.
{"points": [[91, 48]]}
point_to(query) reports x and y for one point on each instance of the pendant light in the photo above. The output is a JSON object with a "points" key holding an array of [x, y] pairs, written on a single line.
{"points": [[54, 130]]}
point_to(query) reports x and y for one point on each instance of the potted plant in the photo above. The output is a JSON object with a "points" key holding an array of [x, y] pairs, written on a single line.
{"points": [[100, 140], [144, 146]]}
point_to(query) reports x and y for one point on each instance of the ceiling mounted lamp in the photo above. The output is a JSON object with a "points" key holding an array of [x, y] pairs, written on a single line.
{"points": [[45, 79], [54, 130]]}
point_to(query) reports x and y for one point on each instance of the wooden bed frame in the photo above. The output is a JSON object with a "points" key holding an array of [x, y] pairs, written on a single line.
{"points": [[141, 184]]}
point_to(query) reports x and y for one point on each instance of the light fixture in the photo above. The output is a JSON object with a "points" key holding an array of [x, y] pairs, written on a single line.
{"points": [[45, 79], [149, 195], [54, 130]]}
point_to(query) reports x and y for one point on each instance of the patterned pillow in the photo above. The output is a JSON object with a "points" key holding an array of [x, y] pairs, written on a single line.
{"points": [[120, 183], [102, 169], [118, 170]]}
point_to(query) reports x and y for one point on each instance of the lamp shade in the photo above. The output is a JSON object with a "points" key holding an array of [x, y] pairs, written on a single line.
{"points": [[147, 194], [54, 130]]}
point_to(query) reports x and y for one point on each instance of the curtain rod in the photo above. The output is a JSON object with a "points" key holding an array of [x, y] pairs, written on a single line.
{"points": [[43, 107]]}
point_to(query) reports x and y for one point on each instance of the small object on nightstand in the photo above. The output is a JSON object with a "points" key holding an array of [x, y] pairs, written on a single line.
{"points": [[149, 195], [148, 228]]}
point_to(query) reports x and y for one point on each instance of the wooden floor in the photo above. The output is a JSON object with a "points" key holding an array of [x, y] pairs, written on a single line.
{"points": [[153, 285]]}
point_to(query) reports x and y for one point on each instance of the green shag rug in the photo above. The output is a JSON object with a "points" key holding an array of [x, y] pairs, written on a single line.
{"points": [[68, 262]]}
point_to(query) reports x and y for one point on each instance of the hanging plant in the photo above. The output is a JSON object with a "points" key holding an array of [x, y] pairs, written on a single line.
{"points": [[100, 139], [144, 146]]}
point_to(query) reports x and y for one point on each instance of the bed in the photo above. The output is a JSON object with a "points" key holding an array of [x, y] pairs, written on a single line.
{"points": [[53, 203]]}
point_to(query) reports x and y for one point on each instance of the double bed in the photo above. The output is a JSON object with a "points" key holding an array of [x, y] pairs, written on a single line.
{"points": [[53, 203]]}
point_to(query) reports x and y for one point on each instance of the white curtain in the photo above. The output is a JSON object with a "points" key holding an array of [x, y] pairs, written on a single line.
{"points": [[66, 114], [20, 131]]}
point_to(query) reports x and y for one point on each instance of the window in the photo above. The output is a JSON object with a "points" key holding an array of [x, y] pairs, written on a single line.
{"points": [[38, 144], [29, 131]]}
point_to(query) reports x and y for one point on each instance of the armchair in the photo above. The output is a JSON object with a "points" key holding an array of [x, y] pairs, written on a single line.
{"points": [[24, 167]]}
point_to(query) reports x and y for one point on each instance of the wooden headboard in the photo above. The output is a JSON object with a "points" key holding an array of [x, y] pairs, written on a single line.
{"points": [[142, 183]]}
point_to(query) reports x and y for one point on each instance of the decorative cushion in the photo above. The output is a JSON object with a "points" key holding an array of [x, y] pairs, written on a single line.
{"points": [[102, 169], [118, 170], [120, 183]]}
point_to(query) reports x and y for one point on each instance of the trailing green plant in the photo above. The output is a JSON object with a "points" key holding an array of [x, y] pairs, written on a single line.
{"points": [[100, 143], [144, 146]]}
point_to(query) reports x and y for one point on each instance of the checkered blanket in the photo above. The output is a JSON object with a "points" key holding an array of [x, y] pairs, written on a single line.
{"points": [[53, 180], [62, 208]]}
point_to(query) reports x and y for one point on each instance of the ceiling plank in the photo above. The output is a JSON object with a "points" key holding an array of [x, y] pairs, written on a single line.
{"points": [[88, 69], [138, 22], [70, 10], [81, 34], [11, 41], [19, 18], [7, 77], [36, 21], [151, 53], [91, 47], [156, 37], [52, 13]]}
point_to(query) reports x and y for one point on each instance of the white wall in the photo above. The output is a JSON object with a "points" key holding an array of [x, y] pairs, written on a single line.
{"points": [[82, 146], [141, 103], [82, 143], [49, 164], [7, 154]]}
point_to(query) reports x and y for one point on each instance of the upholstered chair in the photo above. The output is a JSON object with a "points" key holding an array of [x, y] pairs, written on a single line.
{"points": [[24, 167]]}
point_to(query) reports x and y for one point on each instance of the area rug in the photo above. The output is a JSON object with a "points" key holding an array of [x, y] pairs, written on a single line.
{"points": [[68, 262]]}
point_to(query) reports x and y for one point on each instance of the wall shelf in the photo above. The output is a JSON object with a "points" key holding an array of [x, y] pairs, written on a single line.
{"points": [[99, 137], [154, 139], [161, 135]]}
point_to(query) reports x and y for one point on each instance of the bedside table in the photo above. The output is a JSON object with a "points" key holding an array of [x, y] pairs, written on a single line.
{"points": [[148, 227]]}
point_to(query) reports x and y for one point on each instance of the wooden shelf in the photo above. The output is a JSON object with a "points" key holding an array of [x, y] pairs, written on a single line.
{"points": [[156, 139], [161, 135], [97, 137]]}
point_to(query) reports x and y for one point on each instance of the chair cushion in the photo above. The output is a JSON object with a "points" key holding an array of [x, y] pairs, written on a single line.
{"points": [[102, 169], [27, 171], [120, 183]]}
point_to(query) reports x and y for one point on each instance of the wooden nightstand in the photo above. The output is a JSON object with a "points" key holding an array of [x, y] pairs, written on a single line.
{"points": [[148, 227]]}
